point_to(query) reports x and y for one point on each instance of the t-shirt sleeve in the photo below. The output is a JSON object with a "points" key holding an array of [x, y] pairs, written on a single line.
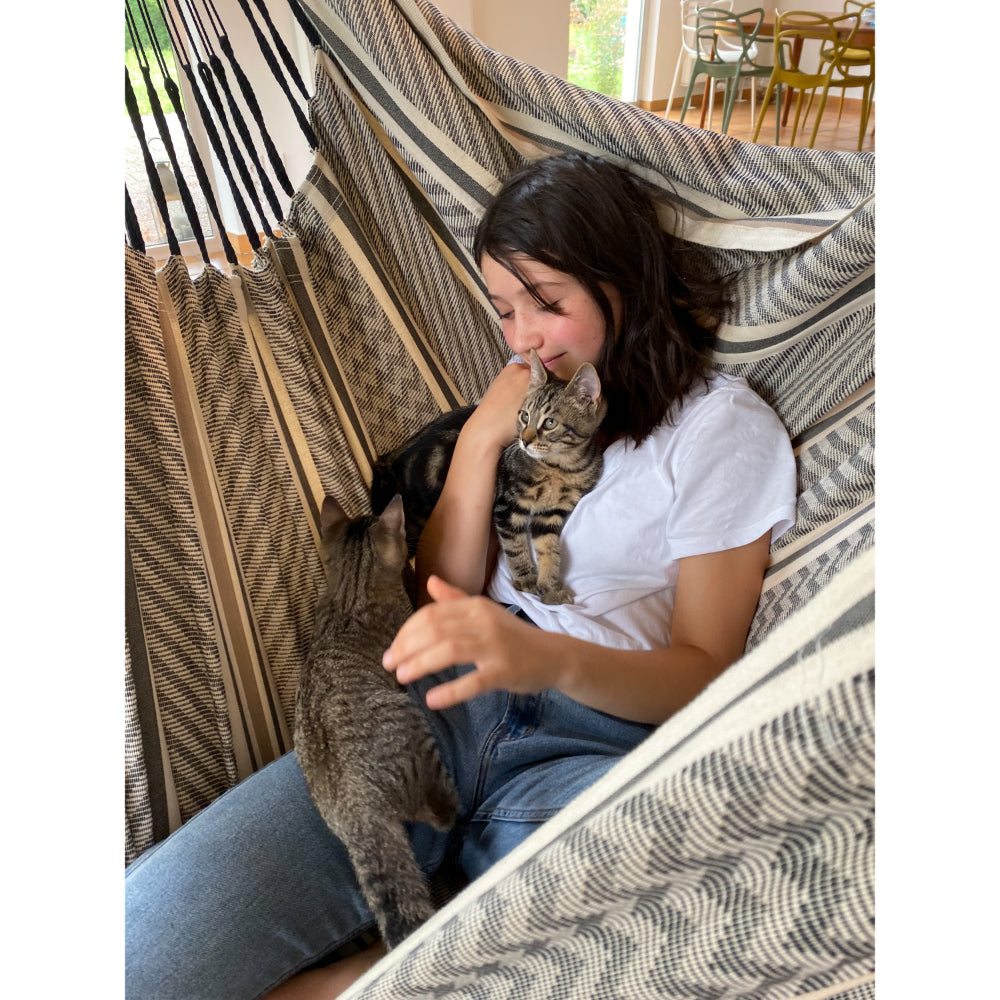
{"points": [[733, 473]]}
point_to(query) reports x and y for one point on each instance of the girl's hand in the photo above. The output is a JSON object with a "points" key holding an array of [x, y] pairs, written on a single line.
{"points": [[495, 418], [508, 653]]}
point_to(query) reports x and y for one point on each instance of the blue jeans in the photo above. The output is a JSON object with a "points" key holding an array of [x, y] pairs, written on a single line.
{"points": [[255, 887]]}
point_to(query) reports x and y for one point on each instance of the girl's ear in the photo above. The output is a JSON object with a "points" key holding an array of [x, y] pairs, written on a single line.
{"points": [[585, 385], [539, 376]]}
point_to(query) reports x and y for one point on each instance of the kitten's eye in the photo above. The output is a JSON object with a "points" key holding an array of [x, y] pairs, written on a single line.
{"points": [[548, 423], [523, 416]]}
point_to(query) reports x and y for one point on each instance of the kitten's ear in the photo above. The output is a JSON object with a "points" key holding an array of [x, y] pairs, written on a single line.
{"points": [[331, 515], [539, 376], [585, 385], [389, 534]]}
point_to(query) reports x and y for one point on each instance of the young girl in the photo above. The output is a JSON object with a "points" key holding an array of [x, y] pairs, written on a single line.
{"points": [[666, 557]]}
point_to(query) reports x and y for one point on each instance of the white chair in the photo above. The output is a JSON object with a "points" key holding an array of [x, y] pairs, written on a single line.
{"points": [[729, 50], [689, 28]]}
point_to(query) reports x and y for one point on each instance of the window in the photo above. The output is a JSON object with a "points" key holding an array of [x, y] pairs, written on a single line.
{"points": [[604, 46], [148, 44]]}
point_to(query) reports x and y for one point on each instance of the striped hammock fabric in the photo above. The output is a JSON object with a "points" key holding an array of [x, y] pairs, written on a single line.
{"points": [[252, 395]]}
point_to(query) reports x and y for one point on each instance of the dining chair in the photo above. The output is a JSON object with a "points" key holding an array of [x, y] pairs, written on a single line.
{"points": [[792, 29], [854, 64], [728, 49], [725, 50], [688, 51]]}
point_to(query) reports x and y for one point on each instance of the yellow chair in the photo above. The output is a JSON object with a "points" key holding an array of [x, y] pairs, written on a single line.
{"points": [[854, 64], [792, 30]]}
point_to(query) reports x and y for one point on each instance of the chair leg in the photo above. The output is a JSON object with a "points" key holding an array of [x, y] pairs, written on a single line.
{"points": [[687, 95], [763, 109], [819, 116], [798, 112], [732, 86], [866, 109]]}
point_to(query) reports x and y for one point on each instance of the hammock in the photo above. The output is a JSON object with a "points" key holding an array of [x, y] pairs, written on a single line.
{"points": [[251, 395]]}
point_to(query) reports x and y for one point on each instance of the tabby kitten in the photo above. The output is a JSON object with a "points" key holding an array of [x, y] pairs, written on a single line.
{"points": [[367, 755], [556, 460]]}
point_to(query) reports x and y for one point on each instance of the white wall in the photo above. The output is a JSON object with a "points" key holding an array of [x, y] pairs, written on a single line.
{"points": [[537, 32], [534, 31]]}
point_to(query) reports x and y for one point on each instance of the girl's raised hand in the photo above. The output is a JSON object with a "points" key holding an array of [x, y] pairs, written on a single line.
{"points": [[509, 654], [495, 418]]}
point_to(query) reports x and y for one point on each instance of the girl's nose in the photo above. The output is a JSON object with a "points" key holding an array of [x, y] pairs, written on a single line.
{"points": [[525, 336]]}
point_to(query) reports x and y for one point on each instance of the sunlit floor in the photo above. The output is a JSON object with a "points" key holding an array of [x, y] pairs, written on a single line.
{"points": [[832, 134]]}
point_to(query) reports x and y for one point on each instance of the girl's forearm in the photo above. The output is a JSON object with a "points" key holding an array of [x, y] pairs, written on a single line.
{"points": [[455, 543], [642, 685]]}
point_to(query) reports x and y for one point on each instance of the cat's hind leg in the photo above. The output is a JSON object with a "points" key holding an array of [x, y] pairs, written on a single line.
{"points": [[391, 881], [437, 802]]}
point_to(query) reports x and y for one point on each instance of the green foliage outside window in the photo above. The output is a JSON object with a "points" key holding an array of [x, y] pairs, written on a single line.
{"points": [[597, 44], [132, 57]]}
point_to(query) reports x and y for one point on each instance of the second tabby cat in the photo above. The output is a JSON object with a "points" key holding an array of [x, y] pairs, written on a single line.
{"points": [[367, 755], [555, 461]]}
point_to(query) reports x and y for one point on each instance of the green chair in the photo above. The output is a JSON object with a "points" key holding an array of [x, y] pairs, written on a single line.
{"points": [[688, 51], [725, 49], [792, 29]]}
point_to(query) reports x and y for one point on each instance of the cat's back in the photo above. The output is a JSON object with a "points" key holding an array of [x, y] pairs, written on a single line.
{"points": [[343, 678]]}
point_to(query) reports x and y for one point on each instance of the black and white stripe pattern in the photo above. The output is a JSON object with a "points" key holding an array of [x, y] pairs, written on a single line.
{"points": [[730, 855], [726, 856]]}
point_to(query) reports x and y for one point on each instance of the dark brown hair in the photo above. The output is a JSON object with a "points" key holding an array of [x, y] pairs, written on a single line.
{"points": [[591, 219]]}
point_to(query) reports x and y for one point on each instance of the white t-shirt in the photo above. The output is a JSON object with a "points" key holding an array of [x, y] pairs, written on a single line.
{"points": [[719, 477]]}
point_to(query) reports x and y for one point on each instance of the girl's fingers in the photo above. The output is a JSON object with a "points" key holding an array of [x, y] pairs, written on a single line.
{"points": [[455, 692], [441, 591], [425, 632], [429, 660]]}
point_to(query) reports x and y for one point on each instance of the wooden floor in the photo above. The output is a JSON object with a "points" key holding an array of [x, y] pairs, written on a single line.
{"points": [[832, 135]]}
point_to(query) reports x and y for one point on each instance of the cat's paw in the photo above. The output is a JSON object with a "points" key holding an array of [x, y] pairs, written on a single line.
{"points": [[526, 582], [557, 595]]}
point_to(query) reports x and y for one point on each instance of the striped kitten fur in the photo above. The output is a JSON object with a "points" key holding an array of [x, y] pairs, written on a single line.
{"points": [[367, 755], [556, 460]]}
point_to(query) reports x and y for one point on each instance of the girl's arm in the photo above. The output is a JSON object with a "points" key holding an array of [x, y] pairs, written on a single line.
{"points": [[458, 542], [716, 597]]}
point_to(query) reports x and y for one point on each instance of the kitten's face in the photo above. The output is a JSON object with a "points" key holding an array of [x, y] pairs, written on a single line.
{"points": [[541, 427], [557, 416]]}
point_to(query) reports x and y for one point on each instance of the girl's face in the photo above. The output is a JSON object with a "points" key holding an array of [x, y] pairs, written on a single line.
{"points": [[565, 339]]}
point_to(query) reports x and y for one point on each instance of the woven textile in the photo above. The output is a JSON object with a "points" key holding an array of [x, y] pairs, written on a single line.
{"points": [[729, 856], [249, 396]]}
